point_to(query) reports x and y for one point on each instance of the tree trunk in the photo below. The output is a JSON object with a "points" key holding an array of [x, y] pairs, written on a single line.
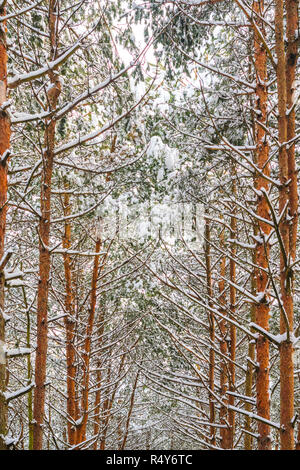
{"points": [[81, 429], [44, 235], [232, 351], [262, 247], [292, 25], [212, 412], [4, 148], [224, 432], [129, 413], [285, 191], [109, 403], [98, 378], [292, 22], [29, 371], [69, 323]]}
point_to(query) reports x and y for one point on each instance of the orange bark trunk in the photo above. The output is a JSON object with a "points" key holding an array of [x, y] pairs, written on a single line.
{"points": [[99, 378], [44, 253], [69, 324], [292, 23], [212, 412], [224, 432], [4, 146], [292, 26], [232, 351], [81, 429], [262, 247], [285, 191]]}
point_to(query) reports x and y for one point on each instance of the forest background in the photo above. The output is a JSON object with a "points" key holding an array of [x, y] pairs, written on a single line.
{"points": [[149, 255]]}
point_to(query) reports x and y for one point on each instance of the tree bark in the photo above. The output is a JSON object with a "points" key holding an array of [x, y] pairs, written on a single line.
{"points": [[81, 429], [292, 28], [44, 235], [286, 281], [262, 247], [224, 432], [5, 132], [232, 349], [97, 419], [212, 412], [69, 323], [129, 413], [109, 403], [292, 23]]}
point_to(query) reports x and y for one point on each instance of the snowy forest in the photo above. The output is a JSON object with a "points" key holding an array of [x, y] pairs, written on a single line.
{"points": [[149, 255]]}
